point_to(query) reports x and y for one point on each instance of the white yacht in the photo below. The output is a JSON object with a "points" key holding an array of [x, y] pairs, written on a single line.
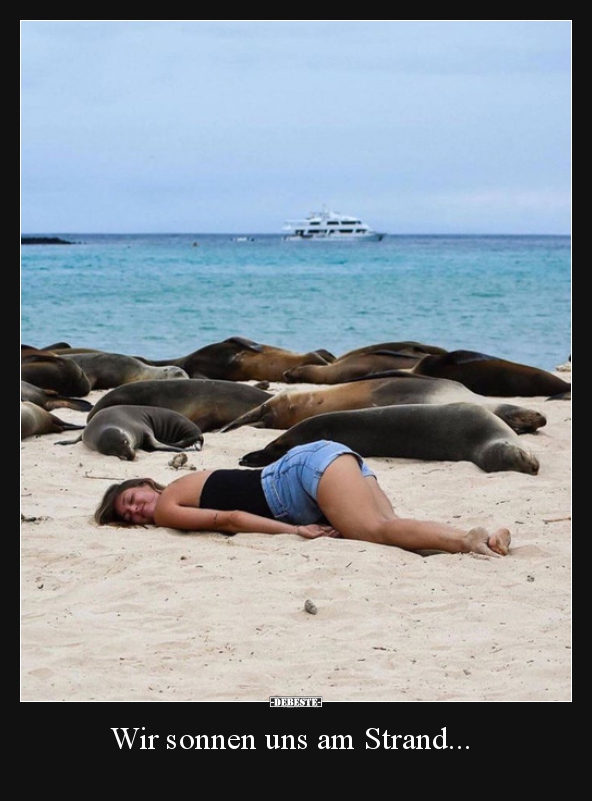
{"points": [[330, 226]]}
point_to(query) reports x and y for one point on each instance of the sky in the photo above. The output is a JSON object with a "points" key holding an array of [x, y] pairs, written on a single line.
{"points": [[235, 126]]}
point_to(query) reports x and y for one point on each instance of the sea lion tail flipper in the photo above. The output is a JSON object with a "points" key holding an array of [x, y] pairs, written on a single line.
{"points": [[325, 354], [190, 444], [252, 417], [79, 405], [64, 402], [154, 444], [255, 459], [560, 396], [175, 448], [70, 441], [263, 457], [398, 353]]}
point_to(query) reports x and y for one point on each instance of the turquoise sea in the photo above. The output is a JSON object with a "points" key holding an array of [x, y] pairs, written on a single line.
{"points": [[165, 295]]}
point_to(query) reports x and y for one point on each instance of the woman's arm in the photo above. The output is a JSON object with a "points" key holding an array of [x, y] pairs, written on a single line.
{"points": [[190, 518], [176, 509]]}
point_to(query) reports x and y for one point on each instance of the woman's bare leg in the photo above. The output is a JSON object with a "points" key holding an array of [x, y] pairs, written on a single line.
{"points": [[380, 497], [354, 507]]}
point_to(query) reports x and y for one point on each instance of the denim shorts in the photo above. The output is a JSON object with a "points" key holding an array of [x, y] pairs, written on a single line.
{"points": [[290, 484]]}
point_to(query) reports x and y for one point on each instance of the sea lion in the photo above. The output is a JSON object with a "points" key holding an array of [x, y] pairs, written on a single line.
{"points": [[447, 432], [48, 371], [50, 399], [57, 345], [362, 363], [290, 406], [239, 359], [63, 349], [122, 430], [409, 348], [489, 375], [37, 420], [109, 370], [210, 404]]}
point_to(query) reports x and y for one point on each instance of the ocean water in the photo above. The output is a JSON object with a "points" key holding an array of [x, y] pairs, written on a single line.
{"points": [[164, 296]]}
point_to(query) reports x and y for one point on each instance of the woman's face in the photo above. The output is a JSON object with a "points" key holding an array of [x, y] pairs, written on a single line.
{"points": [[136, 504]]}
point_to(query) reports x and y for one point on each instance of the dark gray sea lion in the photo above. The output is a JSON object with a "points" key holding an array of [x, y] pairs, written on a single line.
{"points": [[448, 432], [291, 406], [239, 359], [49, 371], [122, 430], [489, 375], [210, 404], [50, 399], [109, 370], [37, 420]]}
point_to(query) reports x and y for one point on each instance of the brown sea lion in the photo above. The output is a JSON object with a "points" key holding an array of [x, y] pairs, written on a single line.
{"points": [[123, 430], [37, 420], [50, 399], [489, 375], [48, 371], [290, 406], [409, 348], [445, 432], [363, 363], [63, 349], [239, 359], [210, 404]]}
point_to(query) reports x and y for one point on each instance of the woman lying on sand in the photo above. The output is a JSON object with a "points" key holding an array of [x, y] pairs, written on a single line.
{"points": [[320, 489]]}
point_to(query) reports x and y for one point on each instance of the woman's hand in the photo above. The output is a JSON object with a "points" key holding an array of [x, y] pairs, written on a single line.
{"points": [[312, 531]]}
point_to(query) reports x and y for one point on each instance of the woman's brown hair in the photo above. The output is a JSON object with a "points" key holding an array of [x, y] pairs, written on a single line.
{"points": [[105, 513]]}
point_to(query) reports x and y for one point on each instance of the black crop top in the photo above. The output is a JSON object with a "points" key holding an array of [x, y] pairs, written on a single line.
{"points": [[230, 490]]}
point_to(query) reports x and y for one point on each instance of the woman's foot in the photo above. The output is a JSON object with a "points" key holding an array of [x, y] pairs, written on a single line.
{"points": [[496, 544]]}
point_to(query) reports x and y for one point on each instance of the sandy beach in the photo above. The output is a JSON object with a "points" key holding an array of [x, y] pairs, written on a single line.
{"points": [[146, 614]]}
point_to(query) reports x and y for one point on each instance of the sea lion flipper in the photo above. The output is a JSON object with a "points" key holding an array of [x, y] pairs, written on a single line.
{"points": [[249, 344], [63, 402], [70, 441], [384, 374], [255, 459], [254, 417], [325, 354], [399, 353], [467, 356], [155, 445]]}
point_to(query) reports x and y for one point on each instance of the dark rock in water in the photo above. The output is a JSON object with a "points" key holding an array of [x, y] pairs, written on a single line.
{"points": [[44, 240]]}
